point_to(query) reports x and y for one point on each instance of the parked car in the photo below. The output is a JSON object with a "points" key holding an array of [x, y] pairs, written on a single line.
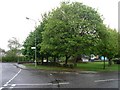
{"points": [[116, 61]]}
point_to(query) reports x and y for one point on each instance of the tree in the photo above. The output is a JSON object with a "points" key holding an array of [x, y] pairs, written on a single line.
{"points": [[14, 45], [72, 29], [2, 52], [108, 47], [112, 44], [30, 41], [118, 55]]}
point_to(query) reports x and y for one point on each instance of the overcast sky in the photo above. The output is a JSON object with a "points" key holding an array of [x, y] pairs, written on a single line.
{"points": [[13, 12]]}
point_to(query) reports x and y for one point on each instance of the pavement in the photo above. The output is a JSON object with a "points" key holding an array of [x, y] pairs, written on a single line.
{"points": [[21, 66]]}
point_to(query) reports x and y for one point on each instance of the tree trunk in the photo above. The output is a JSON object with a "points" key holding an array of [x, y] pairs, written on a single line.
{"points": [[66, 60], [47, 59], [75, 62], [42, 60], [109, 62], [54, 59]]}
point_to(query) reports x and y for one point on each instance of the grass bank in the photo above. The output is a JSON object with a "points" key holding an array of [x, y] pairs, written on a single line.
{"points": [[97, 66], [90, 66], [52, 68]]}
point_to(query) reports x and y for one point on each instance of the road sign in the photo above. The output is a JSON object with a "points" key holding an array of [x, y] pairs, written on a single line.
{"points": [[33, 47]]}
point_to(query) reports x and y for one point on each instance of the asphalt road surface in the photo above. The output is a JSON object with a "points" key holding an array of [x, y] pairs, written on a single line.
{"points": [[13, 77]]}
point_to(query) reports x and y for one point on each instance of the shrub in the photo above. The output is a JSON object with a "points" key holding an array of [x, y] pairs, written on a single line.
{"points": [[12, 59]]}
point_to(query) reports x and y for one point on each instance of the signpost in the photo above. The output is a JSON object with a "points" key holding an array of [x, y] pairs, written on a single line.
{"points": [[33, 47], [35, 55]]}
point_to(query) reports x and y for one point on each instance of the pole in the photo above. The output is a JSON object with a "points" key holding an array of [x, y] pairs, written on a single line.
{"points": [[35, 46], [104, 63], [35, 40]]}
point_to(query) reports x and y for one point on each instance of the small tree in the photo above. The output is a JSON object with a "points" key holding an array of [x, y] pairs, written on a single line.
{"points": [[112, 44], [14, 46]]}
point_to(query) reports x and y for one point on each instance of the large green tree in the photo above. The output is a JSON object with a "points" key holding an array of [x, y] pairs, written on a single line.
{"points": [[71, 30]]}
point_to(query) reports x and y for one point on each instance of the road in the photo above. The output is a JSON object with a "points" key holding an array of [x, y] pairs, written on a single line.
{"points": [[13, 77]]}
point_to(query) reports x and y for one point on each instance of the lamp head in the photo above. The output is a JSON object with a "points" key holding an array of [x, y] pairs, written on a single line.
{"points": [[27, 18]]}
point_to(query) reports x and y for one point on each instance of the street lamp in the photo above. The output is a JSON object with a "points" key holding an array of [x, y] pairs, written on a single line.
{"points": [[35, 38]]}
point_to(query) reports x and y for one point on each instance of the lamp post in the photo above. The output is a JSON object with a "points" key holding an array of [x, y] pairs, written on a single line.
{"points": [[35, 39]]}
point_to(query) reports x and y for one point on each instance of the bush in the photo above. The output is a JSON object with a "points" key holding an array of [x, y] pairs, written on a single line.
{"points": [[71, 65], [9, 59], [65, 65], [68, 65], [12, 59]]}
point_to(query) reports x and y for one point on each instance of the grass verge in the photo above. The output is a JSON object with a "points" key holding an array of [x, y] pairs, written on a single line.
{"points": [[97, 66], [90, 66], [52, 68]]}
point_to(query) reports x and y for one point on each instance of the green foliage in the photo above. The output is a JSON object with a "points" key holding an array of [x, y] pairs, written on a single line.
{"points": [[109, 45], [72, 29], [118, 45], [112, 43], [13, 58], [12, 54], [9, 59]]}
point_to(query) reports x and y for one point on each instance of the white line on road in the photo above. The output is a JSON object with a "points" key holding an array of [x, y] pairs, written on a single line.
{"points": [[106, 80], [13, 77], [6, 84], [12, 86], [1, 88], [39, 84]]}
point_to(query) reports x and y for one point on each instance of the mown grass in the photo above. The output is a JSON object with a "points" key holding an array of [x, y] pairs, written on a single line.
{"points": [[90, 66], [53, 68], [97, 66]]}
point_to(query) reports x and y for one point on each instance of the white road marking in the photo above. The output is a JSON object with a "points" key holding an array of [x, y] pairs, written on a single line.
{"points": [[13, 77], [12, 86], [106, 80], [1, 88], [38, 84], [6, 84]]}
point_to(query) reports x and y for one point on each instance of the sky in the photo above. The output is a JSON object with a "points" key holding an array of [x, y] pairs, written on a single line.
{"points": [[13, 13]]}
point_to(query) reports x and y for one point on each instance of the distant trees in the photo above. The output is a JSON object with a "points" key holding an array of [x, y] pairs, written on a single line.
{"points": [[14, 50], [71, 30], [14, 46], [109, 47], [118, 44], [112, 44], [2, 50]]}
